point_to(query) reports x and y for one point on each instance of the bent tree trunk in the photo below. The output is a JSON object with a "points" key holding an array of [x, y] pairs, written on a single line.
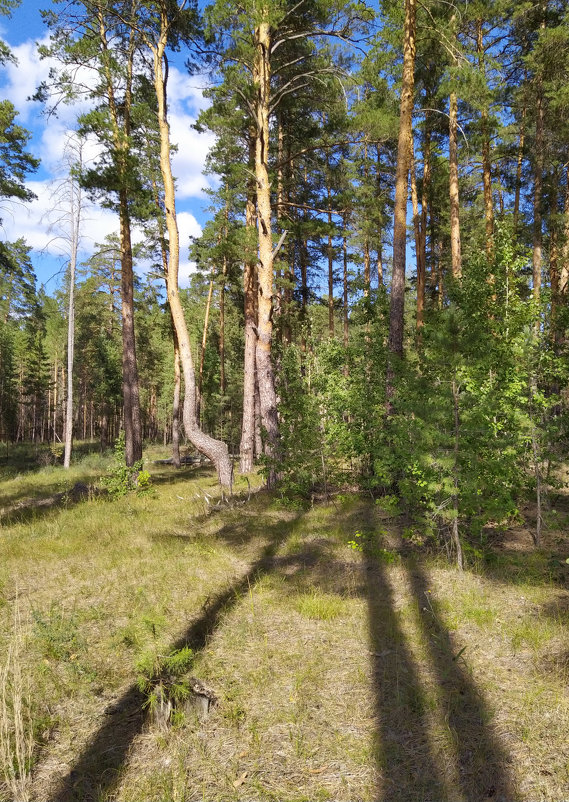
{"points": [[214, 449]]}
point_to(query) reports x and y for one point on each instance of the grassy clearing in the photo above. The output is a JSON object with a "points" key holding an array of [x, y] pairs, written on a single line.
{"points": [[342, 672]]}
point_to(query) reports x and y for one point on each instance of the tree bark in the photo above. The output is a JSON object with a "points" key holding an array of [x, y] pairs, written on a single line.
{"points": [[120, 123], [397, 305], [75, 220], [537, 194], [131, 396], [519, 165], [456, 253], [247, 448], [418, 249], [202, 352], [176, 402], [265, 372], [486, 162], [215, 450]]}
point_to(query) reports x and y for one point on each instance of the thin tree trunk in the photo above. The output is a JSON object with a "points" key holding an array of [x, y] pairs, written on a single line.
{"points": [[215, 450], [75, 220], [404, 147], [202, 352], [537, 194], [120, 126], [345, 309], [330, 278], [519, 165], [564, 270], [418, 248], [456, 254], [222, 330], [486, 162], [455, 532], [380, 221]]}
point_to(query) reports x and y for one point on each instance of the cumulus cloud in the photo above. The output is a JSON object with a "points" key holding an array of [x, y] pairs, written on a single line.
{"points": [[32, 221], [43, 223]]}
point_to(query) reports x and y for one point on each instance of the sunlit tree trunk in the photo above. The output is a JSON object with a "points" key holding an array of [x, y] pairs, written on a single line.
{"points": [[404, 150], [215, 450]]}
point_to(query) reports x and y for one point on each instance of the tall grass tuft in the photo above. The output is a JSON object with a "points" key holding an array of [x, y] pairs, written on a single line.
{"points": [[16, 726]]}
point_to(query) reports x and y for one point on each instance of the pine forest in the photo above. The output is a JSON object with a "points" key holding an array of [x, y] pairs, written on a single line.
{"points": [[294, 527]]}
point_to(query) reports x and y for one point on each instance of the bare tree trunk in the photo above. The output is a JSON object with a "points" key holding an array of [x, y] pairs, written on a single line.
{"points": [[404, 148], [75, 223], [215, 450]]}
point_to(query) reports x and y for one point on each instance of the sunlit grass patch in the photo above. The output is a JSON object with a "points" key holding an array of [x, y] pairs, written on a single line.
{"points": [[321, 606]]}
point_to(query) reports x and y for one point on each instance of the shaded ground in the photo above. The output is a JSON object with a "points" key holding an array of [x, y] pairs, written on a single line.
{"points": [[347, 667]]}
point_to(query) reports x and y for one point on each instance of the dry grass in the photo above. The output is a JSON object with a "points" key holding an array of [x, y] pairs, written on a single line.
{"points": [[340, 675], [16, 727]]}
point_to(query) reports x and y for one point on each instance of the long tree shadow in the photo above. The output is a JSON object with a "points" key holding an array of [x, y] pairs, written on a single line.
{"points": [[483, 770], [414, 766], [404, 753], [97, 770]]}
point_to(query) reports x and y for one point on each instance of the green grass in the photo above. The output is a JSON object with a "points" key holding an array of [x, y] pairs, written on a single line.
{"points": [[340, 674]]}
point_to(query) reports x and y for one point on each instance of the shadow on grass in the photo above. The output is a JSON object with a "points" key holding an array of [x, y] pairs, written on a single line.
{"points": [[482, 765], [97, 771], [412, 766]]}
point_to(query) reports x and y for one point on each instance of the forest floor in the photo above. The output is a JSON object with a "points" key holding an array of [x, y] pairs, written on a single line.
{"points": [[348, 663]]}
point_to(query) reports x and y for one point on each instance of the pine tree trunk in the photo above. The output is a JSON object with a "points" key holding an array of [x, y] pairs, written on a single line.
{"points": [[176, 403], [345, 310], [456, 253], [215, 450], [222, 333], [486, 162], [330, 279], [418, 249], [537, 194], [131, 398], [202, 352], [247, 447], [75, 195], [265, 372], [519, 165], [397, 306]]}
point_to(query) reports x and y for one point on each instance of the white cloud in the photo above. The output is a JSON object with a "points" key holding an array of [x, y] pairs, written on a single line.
{"points": [[50, 134], [38, 223]]}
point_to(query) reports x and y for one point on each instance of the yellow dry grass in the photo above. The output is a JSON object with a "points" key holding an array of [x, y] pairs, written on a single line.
{"points": [[341, 674]]}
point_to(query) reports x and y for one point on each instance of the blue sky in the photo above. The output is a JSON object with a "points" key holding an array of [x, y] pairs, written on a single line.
{"points": [[37, 221]]}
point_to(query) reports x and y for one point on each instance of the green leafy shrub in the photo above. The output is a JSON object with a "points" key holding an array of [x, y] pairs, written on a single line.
{"points": [[122, 479]]}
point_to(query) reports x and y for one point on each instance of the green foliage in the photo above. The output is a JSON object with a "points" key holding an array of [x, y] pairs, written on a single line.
{"points": [[162, 676], [58, 633], [122, 479], [301, 461]]}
